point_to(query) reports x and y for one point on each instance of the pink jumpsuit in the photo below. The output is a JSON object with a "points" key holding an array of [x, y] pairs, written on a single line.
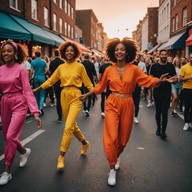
{"points": [[17, 97], [119, 111]]}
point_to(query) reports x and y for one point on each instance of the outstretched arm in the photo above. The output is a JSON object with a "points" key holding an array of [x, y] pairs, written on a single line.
{"points": [[164, 78], [85, 96], [36, 89]]}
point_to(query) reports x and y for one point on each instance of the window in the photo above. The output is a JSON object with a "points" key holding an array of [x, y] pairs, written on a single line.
{"points": [[69, 10], [13, 4], [173, 24], [65, 28], [60, 25], [60, 4], [46, 16], [72, 32], [66, 6], [174, 2], [69, 31], [54, 22], [176, 22], [34, 9], [167, 10], [72, 13], [184, 16]]}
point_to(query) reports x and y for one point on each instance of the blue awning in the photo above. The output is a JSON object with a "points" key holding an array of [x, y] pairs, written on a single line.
{"points": [[9, 29], [38, 33], [176, 42], [58, 40]]}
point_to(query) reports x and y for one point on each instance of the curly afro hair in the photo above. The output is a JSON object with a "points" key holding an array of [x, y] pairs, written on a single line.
{"points": [[130, 45], [21, 53], [62, 49]]}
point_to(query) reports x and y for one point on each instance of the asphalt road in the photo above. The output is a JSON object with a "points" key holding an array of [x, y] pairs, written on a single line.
{"points": [[148, 164]]}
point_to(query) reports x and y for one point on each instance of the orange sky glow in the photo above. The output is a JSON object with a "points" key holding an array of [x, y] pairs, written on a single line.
{"points": [[119, 17]]}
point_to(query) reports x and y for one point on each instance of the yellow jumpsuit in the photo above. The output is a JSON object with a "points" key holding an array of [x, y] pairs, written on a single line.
{"points": [[119, 111], [72, 75]]}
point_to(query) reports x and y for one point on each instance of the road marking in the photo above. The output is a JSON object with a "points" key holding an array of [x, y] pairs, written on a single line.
{"points": [[27, 140], [29, 121], [140, 148], [181, 116]]}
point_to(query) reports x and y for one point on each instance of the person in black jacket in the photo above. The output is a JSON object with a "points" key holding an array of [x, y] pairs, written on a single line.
{"points": [[53, 66], [91, 72]]}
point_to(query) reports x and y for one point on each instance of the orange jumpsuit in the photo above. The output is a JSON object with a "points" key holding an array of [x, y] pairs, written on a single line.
{"points": [[119, 111]]}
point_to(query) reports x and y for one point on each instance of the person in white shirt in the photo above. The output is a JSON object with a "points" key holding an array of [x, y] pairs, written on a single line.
{"points": [[137, 91], [27, 66]]}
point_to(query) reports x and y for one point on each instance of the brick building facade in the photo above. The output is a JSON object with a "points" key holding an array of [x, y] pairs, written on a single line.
{"points": [[54, 16]]}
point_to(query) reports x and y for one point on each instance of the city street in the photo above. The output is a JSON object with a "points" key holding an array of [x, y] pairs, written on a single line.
{"points": [[148, 164]]}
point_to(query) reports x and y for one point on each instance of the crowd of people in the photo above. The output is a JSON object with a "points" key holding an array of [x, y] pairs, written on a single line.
{"points": [[72, 81]]}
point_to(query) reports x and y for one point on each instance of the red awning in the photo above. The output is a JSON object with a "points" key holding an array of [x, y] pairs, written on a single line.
{"points": [[188, 42], [82, 47]]}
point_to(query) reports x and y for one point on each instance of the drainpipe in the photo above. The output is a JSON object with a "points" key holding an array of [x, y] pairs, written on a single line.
{"points": [[50, 24], [24, 8]]}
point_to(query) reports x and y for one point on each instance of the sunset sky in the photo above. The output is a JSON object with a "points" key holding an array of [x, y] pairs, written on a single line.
{"points": [[119, 17]]}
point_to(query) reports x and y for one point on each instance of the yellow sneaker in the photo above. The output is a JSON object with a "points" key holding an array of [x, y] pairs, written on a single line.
{"points": [[60, 164], [84, 148]]}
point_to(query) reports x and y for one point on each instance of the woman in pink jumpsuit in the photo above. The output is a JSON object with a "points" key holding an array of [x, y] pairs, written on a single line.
{"points": [[17, 97], [122, 78]]}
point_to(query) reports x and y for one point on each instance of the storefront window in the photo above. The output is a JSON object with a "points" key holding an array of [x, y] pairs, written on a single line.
{"points": [[36, 48]]}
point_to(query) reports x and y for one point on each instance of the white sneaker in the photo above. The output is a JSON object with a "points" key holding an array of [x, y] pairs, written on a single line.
{"points": [[186, 127], [44, 105], [149, 104], [87, 113], [136, 120], [190, 125], [112, 177], [117, 165], [5, 177], [24, 157], [103, 114]]}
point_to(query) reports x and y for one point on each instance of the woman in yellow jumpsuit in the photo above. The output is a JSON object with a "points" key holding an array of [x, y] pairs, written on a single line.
{"points": [[71, 74], [122, 78]]}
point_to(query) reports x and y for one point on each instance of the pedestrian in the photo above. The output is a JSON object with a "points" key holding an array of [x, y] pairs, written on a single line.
{"points": [[186, 77], [137, 92], [49, 93], [176, 87], [72, 74], [106, 92], [55, 63], [122, 78], [162, 94], [17, 97], [39, 68], [91, 72]]}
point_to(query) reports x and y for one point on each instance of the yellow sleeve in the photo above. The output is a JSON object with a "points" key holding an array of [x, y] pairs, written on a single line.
{"points": [[86, 80], [182, 72], [51, 80]]}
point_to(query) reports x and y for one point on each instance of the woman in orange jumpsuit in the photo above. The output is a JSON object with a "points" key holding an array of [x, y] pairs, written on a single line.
{"points": [[122, 78]]}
